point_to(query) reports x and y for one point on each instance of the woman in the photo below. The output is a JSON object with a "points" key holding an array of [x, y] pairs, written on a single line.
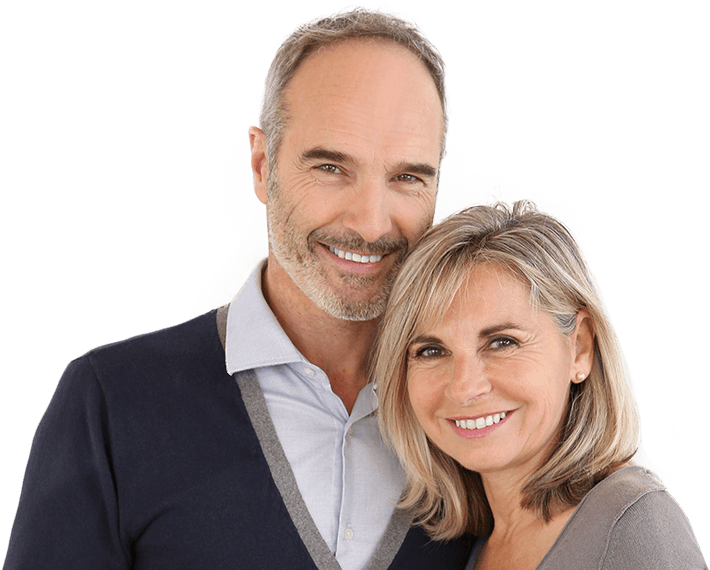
{"points": [[507, 403]]}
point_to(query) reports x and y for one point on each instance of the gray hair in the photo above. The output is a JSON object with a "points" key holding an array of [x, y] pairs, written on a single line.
{"points": [[357, 24]]}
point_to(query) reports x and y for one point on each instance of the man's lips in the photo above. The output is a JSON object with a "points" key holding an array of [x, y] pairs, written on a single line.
{"points": [[353, 256], [363, 264], [351, 248]]}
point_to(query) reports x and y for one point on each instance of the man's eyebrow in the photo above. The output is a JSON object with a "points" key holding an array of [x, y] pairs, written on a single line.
{"points": [[320, 153], [419, 168]]}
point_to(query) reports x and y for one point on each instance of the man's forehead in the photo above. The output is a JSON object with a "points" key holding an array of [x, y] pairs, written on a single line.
{"points": [[354, 47], [364, 59], [366, 90]]}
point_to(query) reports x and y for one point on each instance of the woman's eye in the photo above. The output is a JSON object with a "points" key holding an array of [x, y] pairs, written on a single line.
{"points": [[428, 352]]}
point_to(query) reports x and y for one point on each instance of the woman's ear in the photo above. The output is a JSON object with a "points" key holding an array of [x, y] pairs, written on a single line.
{"points": [[583, 345], [259, 162]]}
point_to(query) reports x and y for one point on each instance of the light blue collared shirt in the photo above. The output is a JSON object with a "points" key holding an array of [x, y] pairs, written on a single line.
{"points": [[349, 479]]}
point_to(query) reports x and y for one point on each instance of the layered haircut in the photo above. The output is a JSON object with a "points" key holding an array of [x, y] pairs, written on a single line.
{"points": [[600, 429], [353, 25]]}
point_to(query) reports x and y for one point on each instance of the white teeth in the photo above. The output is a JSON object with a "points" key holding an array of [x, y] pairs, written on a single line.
{"points": [[348, 255], [481, 422]]}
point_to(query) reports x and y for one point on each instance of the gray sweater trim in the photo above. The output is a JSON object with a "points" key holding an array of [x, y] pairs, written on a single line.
{"points": [[281, 471], [285, 480]]}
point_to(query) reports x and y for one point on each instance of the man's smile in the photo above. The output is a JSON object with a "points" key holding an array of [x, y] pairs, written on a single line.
{"points": [[351, 256]]}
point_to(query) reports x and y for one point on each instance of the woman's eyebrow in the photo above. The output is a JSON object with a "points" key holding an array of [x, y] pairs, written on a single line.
{"points": [[421, 339], [484, 333], [488, 331]]}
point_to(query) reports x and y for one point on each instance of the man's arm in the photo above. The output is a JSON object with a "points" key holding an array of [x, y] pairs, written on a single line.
{"points": [[68, 513]]}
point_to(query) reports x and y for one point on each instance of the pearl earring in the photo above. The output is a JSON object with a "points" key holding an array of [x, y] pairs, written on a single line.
{"points": [[581, 376]]}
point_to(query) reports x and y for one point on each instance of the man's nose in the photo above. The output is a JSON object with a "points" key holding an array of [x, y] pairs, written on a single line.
{"points": [[369, 210], [469, 382]]}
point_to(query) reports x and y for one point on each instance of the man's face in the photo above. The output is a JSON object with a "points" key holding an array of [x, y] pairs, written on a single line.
{"points": [[355, 180]]}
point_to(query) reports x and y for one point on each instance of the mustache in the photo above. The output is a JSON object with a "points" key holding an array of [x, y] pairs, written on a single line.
{"points": [[354, 242]]}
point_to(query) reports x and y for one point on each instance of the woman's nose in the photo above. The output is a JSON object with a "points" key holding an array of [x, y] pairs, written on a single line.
{"points": [[468, 383]]}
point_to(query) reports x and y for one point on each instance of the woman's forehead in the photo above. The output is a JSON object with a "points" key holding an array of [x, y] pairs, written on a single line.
{"points": [[486, 282]]}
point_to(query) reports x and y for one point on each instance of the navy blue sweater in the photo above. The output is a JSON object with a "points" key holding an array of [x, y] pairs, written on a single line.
{"points": [[146, 459]]}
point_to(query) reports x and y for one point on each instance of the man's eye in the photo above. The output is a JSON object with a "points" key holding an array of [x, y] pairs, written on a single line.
{"points": [[502, 343], [408, 178], [330, 169]]}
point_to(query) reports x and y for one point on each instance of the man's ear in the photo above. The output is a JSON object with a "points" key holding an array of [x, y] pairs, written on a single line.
{"points": [[259, 162], [583, 337]]}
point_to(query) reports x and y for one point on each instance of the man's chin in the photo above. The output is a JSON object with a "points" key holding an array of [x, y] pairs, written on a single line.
{"points": [[346, 296], [347, 309], [354, 313]]}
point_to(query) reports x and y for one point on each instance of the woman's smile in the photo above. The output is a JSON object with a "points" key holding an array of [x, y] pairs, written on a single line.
{"points": [[481, 426]]}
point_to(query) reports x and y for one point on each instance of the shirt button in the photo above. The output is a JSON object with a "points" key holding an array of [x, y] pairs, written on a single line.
{"points": [[350, 430], [348, 533], [309, 371]]}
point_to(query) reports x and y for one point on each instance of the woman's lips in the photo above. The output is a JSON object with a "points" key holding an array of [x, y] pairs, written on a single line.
{"points": [[479, 426]]}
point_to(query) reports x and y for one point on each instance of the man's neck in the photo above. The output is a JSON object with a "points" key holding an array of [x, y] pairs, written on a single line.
{"points": [[339, 347]]}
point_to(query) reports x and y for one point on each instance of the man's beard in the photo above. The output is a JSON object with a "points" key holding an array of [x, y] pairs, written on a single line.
{"points": [[300, 261]]}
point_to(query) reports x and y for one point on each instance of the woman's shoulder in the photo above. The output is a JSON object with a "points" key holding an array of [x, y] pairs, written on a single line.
{"points": [[652, 531], [628, 520], [619, 490]]}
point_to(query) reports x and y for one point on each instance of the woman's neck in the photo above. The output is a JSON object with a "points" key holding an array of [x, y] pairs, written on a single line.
{"points": [[504, 492], [520, 537]]}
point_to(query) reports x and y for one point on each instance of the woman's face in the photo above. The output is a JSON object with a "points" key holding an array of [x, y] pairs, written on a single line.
{"points": [[490, 382]]}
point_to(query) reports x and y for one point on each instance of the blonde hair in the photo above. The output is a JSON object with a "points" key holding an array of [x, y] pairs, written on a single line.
{"points": [[356, 24], [600, 431]]}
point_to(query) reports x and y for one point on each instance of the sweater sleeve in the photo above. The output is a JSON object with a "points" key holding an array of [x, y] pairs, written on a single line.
{"points": [[653, 534], [68, 512]]}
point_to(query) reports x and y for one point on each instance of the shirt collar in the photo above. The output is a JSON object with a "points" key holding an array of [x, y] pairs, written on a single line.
{"points": [[255, 339], [254, 336]]}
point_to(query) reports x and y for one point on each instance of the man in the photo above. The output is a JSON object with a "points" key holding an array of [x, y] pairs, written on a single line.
{"points": [[153, 455]]}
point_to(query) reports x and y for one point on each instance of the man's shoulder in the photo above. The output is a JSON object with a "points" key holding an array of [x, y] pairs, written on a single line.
{"points": [[190, 350]]}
